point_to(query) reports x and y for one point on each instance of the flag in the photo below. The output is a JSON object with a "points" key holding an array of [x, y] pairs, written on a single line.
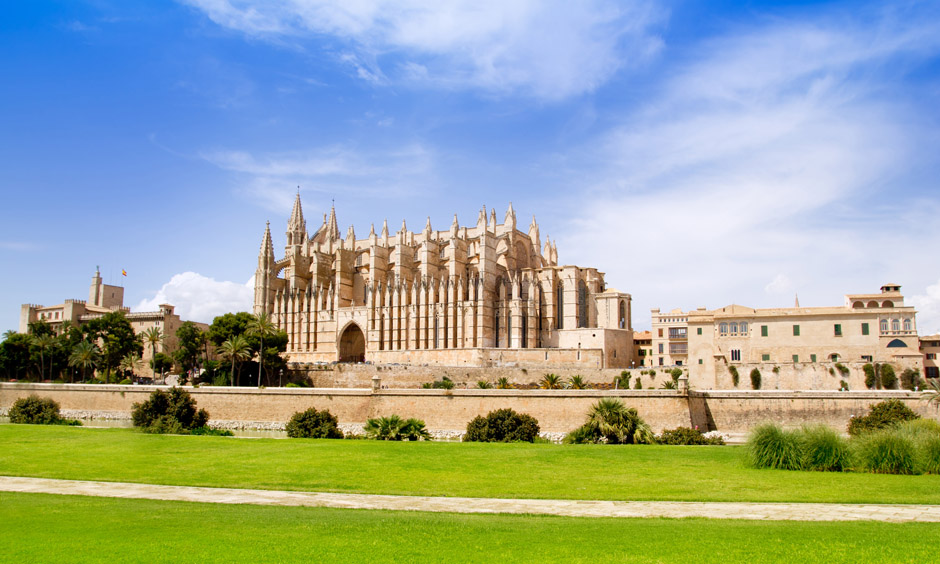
{"points": [[123, 272]]}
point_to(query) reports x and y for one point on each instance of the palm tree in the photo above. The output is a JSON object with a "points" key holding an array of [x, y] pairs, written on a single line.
{"points": [[262, 326], [484, 385], [130, 363], [236, 349], [83, 356], [43, 342], [503, 383], [550, 382], [152, 337], [932, 395], [394, 428], [615, 423], [577, 383]]}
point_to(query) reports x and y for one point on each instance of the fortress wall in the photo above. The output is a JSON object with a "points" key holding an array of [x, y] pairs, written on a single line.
{"points": [[556, 410]]}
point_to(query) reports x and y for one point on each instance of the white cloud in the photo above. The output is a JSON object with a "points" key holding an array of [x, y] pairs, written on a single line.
{"points": [[768, 151], [547, 49], [779, 285], [928, 310], [198, 298]]}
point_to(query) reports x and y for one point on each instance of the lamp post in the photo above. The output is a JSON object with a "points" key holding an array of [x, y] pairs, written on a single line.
{"points": [[280, 374]]}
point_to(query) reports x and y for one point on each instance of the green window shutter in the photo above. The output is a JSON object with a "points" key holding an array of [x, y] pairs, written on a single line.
{"points": [[838, 329], [864, 328], [700, 361], [812, 358], [796, 330], [796, 358], [765, 357], [763, 330], [699, 330]]}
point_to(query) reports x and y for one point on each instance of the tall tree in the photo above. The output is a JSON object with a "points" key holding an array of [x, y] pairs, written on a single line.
{"points": [[190, 340], [116, 337], [153, 337], [130, 363], [236, 349], [84, 356], [261, 326], [15, 354], [43, 343]]}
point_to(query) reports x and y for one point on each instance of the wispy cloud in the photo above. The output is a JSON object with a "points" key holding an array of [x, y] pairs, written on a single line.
{"points": [[19, 246], [549, 50], [770, 150], [272, 178], [199, 298]]}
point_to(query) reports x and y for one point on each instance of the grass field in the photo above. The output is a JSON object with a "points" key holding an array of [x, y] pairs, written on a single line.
{"points": [[49, 528], [437, 469]]}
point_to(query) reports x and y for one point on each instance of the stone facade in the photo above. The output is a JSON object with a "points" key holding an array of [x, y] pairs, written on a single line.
{"points": [[102, 299], [866, 328], [486, 295]]}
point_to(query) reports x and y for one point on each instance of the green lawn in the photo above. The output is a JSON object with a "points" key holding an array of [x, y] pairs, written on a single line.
{"points": [[444, 469], [49, 528]]}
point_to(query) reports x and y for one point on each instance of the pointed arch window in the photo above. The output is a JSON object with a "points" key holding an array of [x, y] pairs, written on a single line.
{"points": [[560, 305], [622, 321], [582, 304]]}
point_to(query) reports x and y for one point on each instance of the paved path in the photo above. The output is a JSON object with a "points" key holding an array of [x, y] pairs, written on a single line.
{"points": [[570, 508]]}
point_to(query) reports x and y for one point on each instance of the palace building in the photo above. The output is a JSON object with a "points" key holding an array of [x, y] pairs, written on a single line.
{"points": [[489, 294]]}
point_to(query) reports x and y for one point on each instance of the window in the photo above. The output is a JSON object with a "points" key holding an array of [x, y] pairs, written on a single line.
{"points": [[660, 348], [660, 361], [698, 331], [884, 325], [796, 330], [582, 304], [734, 328], [700, 361], [735, 355], [837, 329], [560, 304], [743, 326], [660, 332], [866, 358], [765, 357], [723, 329], [796, 358], [931, 356], [678, 333], [642, 352], [763, 330], [834, 357], [622, 322], [907, 323], [895, 325], [678, 348], [864, 328], [812, 358]]}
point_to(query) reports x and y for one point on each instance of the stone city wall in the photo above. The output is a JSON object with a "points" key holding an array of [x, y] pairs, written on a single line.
{"points": [[556, 410]]}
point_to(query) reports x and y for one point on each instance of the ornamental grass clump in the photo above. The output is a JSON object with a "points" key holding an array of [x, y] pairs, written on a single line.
{"points": [[313, 424], [925, 433], [824, 449], [769, 446], [886, 452], [35, 410]]}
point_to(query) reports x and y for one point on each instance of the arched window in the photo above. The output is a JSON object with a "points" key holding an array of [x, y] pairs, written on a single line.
{"points": [[834, 357], [496, 322], [873, 303], [884, 325], [895, 325], [858, 305], [723, 329], [734, 328], [582, 304], [622, 322], [743, 327], [560, 305], [907, 324]]}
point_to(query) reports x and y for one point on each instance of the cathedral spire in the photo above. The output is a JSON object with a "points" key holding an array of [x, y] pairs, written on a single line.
{"points": [[333, 229], [481, 219], [510, 220], [427, 228], [385, 230], [296, 222], [492, 219]]}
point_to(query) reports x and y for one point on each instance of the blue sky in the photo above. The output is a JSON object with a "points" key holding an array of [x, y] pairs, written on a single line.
{"points": [[699, 153]]}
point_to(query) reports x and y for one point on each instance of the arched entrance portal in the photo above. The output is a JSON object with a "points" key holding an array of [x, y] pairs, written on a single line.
{"points": [[352, 345]]}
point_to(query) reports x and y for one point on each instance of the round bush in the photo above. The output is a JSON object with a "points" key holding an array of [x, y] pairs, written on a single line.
{"points": [[824, 449], [313, 424], [882, 415], [769, 446], [172, 411], [502, 426], [35, 410], [886, 452], [687, 436]]}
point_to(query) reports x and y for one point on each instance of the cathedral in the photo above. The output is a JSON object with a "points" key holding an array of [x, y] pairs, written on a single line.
{"points": [[486, 295]]}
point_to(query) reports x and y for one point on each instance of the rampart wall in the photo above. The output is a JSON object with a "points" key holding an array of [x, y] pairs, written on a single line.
{"points": [[556, 410]]}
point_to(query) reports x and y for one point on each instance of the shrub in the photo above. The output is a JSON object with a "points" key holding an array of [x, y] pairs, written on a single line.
{"points": [[611, 422], [824, 449], [502, 426], [125, 382], [394, 428], [843, 369], [638, 385], [35, 410], [735, 378], [550, 382], [164, 407], [870, 380], [484, 385], [669, 385], [910, 379], [886, 452], [889, 379], [769, 446], [577, 383], [444, 383], [623, 381], [503, 383], [881, 415], [313, 424], [755, 379], [675, 373], [843, 385], [776, 370], [687, 436]]}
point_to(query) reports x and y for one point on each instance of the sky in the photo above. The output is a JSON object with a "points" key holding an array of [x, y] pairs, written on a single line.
{"points": [[700, 153]]}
